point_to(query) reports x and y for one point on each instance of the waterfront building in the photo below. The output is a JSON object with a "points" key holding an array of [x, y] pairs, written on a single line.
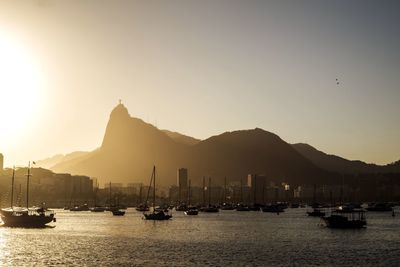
{"points": [[182, 184]]}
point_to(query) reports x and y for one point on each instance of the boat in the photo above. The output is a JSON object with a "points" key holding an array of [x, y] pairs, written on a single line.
{"points": [[316, 208], [34, 217], [115, 209], [209, 207], [118, 212], [241, 207], [181, 207], [273, 208], [227, 206], [155, 215], [346, 218], [83, 207], [98, 209], [316, 212], [141, 206], [294, 205], [379, 207], [190, 210]]}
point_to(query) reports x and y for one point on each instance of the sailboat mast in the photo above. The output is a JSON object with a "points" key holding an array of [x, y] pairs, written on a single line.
{"points": [[255, 189], [204, 192], [110, 194], [209, 191], [154, 188], [12, 187], [189, 194], [225, 190], [241, 190], [27, 185]]}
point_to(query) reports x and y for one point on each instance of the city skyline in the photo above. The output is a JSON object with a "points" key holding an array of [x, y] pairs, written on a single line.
{"points": [[201, 69]]}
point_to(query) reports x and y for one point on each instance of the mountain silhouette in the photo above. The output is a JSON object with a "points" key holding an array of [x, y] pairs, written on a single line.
{"points": [[181, 138], [342, 165], [131, 147]]}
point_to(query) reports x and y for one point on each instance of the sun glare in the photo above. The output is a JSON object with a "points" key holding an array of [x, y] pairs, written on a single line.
{"points": [[20, 89]]}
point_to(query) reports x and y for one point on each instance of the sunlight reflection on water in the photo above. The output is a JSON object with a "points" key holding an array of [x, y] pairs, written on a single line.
{"points": [[228, 238]]}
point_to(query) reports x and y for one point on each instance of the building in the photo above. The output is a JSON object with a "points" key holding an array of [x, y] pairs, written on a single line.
{"points": [[182, 183], [257, 184]]}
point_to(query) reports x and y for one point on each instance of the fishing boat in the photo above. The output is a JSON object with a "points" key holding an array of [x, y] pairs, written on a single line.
{"points": [[155, 215], [34, 217], [344, 217]]}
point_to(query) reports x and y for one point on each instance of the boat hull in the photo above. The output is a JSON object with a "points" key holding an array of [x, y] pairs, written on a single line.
{"points": [[343, 223], [191, 212], [118, 212], [27, 221], [157, 216]]}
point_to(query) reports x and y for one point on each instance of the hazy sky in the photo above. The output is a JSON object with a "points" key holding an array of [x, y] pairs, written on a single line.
{"points": [[201, 68]]}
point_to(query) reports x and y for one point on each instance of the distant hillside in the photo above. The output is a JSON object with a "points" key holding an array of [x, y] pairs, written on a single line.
{"points": [[130, 148], [49, 163], [181, 138], [342, 165]]}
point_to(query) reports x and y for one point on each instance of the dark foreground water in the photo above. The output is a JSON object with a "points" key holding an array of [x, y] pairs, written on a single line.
{"points": [[228, 238]]}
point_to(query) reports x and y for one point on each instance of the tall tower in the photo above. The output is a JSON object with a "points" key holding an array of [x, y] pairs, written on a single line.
{"points": [[1, 162], [182, 183]]}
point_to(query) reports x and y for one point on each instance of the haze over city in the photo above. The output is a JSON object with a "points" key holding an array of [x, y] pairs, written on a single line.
{"points": [[323, 73]]}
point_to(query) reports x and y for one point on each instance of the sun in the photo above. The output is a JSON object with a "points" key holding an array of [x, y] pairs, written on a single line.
{"points": [[20, 89]]}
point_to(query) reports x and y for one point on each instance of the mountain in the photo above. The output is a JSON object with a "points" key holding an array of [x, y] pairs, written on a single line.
{"points": [[50, 162], [181, 138], [130, 148], [342, 165]]}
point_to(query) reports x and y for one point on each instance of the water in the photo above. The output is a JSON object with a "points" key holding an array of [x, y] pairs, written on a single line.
{"points": [[228, 238]]}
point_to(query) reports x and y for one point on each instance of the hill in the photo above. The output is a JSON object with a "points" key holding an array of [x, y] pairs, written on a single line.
{"points": [[130, 148], [342, 165]]}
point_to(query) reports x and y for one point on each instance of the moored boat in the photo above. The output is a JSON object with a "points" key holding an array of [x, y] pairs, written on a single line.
{"points": [[118, 212], [155, 215], [191, 211], [25, 217], [346, 218]]}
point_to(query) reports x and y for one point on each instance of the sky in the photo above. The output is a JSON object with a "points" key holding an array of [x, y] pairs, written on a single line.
{"points": [[201, 68]]}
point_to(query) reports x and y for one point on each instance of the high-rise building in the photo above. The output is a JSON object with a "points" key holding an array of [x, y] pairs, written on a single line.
{"points": [[1, 162], [182, 183], [257, 185]]}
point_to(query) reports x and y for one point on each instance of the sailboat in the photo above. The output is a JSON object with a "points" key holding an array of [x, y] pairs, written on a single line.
{"points": [[25, 217], [115, 209], [191, 210], [209, 207], [141, 206], [316, 211], [240, 206], [156, 214]]}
